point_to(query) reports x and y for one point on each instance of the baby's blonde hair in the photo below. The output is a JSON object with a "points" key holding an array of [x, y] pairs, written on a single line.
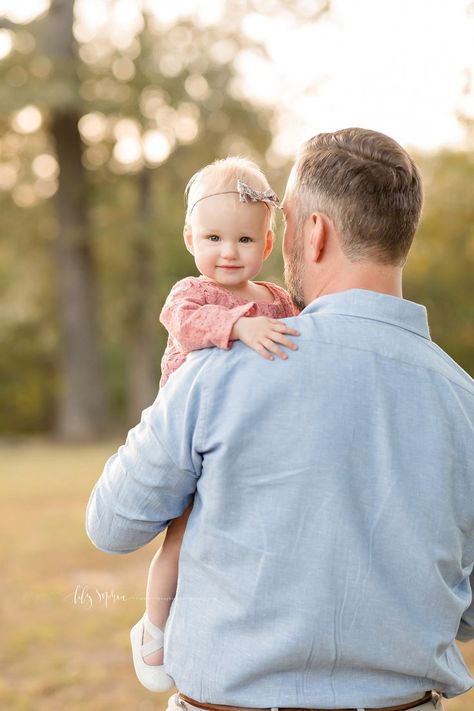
{"points": [[222, 175]]}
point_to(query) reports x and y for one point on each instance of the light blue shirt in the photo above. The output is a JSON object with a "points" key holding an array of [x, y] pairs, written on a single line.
{"points": [[327, 558]]}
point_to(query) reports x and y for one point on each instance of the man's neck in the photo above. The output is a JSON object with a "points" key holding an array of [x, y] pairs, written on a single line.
{"points": [[385, 279]]}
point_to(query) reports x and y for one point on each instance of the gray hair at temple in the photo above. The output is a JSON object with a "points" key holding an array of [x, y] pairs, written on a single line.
{"points": [[368, 185]]}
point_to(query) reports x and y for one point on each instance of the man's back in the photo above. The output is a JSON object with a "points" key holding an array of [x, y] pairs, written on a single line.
{"points": [[326, 561]]}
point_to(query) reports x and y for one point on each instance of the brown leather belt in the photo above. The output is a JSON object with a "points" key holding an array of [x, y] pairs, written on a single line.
{"points": [[429, 696]]}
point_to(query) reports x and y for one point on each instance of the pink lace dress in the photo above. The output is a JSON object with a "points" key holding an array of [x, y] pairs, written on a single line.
{"points": [[200, 314]]}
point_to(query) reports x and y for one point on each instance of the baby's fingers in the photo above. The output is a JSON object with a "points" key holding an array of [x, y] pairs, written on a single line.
{"points": [[283, 328], [271, 346], [280, 338], [261, 350]]}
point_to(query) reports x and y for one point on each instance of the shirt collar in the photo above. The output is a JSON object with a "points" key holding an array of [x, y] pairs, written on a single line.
{"points": [[363, 303]]}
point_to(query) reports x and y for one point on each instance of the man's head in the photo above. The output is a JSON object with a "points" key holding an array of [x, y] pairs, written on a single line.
{"points": [[352, 203]]}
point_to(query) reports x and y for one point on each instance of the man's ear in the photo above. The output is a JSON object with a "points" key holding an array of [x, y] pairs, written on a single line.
{"points": [[268, 244], [188, 238], [318, 235]]}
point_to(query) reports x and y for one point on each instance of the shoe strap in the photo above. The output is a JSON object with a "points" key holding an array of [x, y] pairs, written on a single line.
{"points": [[154, 631], [150, 647]]}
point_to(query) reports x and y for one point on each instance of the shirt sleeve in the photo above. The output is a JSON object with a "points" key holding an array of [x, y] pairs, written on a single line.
{"points": [[193, 323], [152, 478], [466, 626]]}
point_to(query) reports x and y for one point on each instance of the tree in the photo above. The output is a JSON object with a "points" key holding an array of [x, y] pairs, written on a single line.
{"points": [[154, 100], [439, 270], [82, 411]]}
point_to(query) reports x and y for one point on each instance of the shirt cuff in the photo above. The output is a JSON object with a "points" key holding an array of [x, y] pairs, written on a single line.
{"points": [[224, 339], [465, 633]]}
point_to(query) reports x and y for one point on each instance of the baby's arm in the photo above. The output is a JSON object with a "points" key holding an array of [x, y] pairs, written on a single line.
{"points": [[262, 334], [193, 324]]}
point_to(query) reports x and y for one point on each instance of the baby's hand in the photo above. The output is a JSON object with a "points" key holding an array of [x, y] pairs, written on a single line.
{"points": [[262, 334]]}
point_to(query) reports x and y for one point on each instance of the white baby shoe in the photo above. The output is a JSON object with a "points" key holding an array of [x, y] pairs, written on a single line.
{"points": [[153, 678]]}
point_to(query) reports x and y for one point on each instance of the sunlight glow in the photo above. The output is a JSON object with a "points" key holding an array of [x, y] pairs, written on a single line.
{"points": [[151, 100], [95, 156], [168, 12], [171, 65], [41, 67], [6, 43], [123, 69], [24, 195], [28, 120], [126, 22], [197, 87], [128, 150], [8, 175], [90, 18], [340, 72], [185, 125], [223, 51], [126, 128], [93, 127], [186, 129], [24, 42], [46, 188], [24, 11], [156, 147], [318, 76], [45, 166]]}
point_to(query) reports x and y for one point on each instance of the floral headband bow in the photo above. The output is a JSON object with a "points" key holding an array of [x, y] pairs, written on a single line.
{"points": [[247, 194]]}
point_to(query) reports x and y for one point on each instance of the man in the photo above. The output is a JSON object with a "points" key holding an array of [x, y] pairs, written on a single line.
{"points": [[327, 557]]}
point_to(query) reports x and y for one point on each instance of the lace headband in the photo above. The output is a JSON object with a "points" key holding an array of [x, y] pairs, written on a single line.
{"points": [[246, 194]]}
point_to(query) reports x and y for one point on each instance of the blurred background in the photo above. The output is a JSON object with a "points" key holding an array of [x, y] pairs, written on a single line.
{"points": [[107, 107]]}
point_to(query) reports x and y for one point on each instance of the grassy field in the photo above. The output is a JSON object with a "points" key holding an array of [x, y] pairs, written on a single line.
{"points": [[66, 608]]}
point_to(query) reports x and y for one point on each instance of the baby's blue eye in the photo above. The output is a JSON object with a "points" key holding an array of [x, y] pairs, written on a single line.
{"points": [[213, 238], [246, 240]]}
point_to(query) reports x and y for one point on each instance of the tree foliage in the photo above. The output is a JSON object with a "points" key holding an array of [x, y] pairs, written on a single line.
{"points": [[171, 92], [152, 107], [440, 269]]}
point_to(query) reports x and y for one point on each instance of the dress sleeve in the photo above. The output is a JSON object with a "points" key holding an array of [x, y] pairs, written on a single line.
{"points": [[193, 323], [286, 302]]}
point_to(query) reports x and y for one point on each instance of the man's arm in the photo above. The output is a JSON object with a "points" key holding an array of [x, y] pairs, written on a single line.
{"points": [[466, 626], [153, 476]]}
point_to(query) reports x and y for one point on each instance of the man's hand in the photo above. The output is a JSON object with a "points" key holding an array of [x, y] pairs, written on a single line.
{"points": [[262, 334]]}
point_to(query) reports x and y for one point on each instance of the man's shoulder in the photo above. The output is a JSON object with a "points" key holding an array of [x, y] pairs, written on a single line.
{"points": [[449, 368], [214, 372]]}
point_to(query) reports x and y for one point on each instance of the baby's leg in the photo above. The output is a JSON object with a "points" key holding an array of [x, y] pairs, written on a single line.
{"points": [[162, 580]]}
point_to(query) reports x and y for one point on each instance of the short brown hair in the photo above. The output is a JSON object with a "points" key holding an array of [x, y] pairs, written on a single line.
{"points": [[368, 185]]}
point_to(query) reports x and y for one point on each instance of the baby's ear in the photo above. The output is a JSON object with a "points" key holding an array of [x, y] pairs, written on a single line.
{"points": [[268, 244], [188, 238]]}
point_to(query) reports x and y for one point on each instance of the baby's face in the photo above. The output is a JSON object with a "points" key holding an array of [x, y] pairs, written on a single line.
{"points": [[230, 240]]}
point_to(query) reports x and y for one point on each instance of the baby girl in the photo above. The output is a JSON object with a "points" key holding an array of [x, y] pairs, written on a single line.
{"points": [[228, 230]]}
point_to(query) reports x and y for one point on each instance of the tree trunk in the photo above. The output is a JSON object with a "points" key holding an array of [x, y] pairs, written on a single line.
{"points": [[81, 406], [82, 403], [142, 323]]}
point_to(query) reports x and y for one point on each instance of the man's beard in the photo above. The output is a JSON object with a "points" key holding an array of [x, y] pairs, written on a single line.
{"points": [[294, 275]]}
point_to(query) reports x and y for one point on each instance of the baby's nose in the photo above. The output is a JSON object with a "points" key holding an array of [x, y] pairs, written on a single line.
{"points": [[229, 250]]}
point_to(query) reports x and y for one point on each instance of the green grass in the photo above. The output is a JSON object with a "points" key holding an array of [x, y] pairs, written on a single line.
{"points": [[64, 647]]}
